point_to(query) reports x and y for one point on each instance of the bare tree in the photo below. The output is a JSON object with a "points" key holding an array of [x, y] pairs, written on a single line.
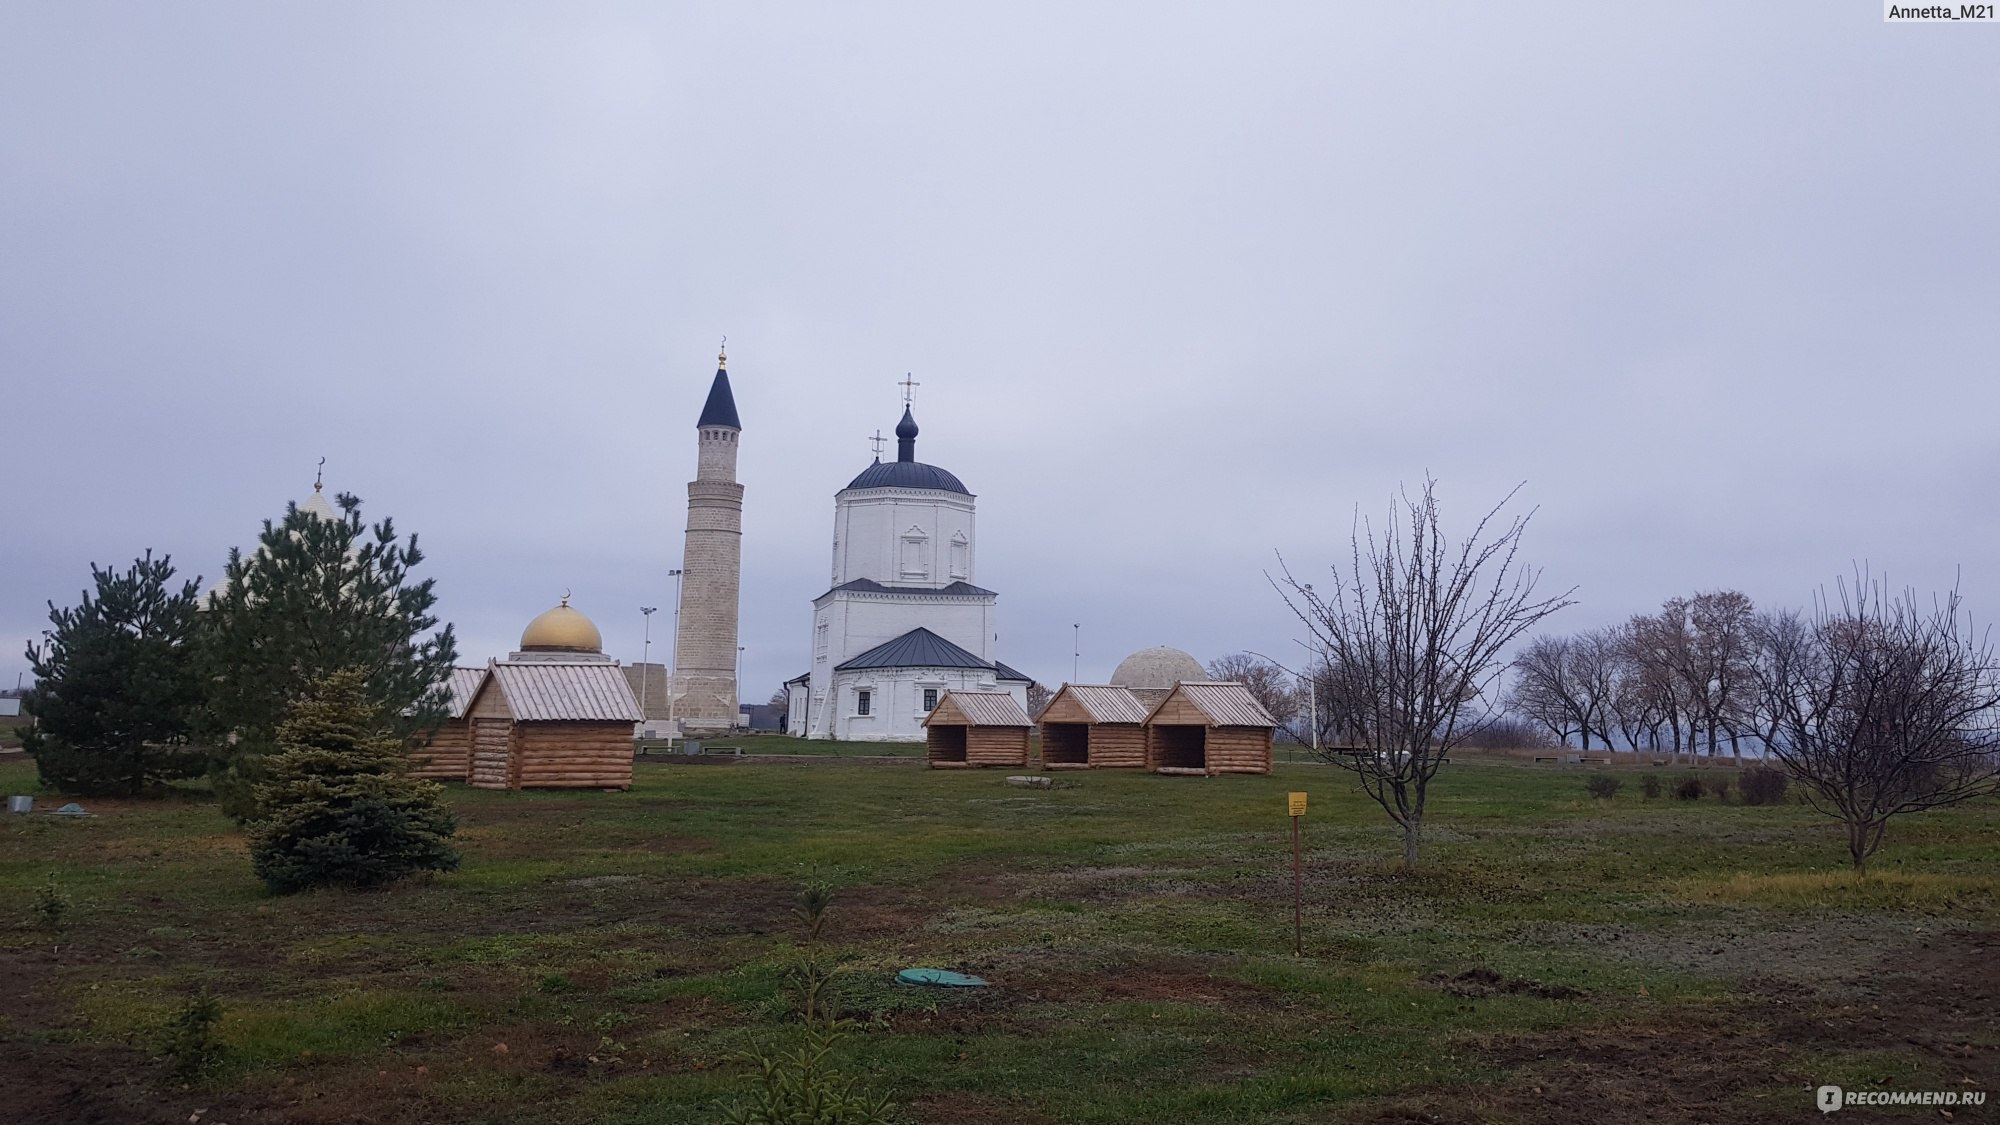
{"points": [[1413, 630], [1566, 684], [1881, 707], [1542, 690], [1694, 658], [1038, 698], [1273, 686], [1634, 703]]}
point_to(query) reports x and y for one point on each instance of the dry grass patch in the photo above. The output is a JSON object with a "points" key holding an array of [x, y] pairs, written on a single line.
{"points": [[1896, 890]]}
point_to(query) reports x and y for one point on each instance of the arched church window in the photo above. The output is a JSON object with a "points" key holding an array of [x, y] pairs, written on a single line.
{"points": [[916, 554]]}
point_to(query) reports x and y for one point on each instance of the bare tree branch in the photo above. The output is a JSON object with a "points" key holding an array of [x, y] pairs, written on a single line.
{"points": [[1412, 630]]}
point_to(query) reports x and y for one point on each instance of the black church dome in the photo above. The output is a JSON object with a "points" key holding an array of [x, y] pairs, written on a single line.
{"points": [[907, 474]]}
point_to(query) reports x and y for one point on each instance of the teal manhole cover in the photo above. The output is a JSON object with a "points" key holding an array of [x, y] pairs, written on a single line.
{"points": [[938, 978]]}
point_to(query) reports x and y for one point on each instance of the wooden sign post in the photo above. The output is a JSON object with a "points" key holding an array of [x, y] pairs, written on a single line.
{"points": [[1297, 804]]}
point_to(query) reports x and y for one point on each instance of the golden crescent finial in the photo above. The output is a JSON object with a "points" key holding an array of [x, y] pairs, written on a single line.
{"points": [[320, 473], [722, 355], [565, 600]]}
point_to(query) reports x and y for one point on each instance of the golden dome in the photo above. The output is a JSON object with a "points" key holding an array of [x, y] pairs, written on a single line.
{"points": [[561, 629]]}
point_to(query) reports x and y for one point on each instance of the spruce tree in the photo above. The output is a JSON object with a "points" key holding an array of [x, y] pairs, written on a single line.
{"points": [[116, 690], [338, 806], [317, 596]]}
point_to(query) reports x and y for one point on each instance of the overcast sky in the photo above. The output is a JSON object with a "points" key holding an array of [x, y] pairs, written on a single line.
{"points": [[1183, 286]]}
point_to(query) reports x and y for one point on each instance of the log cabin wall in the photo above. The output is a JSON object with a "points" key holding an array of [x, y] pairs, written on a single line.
{"points": [[1065, 709], [492, 757], [578, 755], [1116, 746], [996, 746], [1239, 750], [1180, 710], [448, 754]]}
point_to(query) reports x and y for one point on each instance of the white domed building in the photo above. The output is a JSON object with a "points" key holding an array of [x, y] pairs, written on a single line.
{"points": [[1151, 673], [902, 622]]}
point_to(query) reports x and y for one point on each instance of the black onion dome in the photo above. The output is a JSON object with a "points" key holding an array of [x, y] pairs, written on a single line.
{"points": [[907, 428], [720, 410], [908, 474]]}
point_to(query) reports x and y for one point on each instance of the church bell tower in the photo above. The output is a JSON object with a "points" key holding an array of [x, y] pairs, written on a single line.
{"points": [[704, 683]]}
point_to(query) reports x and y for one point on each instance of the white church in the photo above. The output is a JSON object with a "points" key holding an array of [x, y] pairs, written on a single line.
{"points": [[903, 622]]}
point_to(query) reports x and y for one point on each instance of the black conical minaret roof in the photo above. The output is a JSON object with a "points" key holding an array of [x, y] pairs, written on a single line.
{"points": [[720, 410]]}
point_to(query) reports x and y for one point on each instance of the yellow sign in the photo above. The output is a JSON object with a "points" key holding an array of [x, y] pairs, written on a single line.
{"points": [[1298, 803]]}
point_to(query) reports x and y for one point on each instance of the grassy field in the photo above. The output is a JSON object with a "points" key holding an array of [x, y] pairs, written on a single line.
{"points": [[604, 957]]}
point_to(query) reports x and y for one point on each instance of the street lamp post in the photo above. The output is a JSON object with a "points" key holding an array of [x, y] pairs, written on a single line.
{"points": [[739, 681], [675, 665], [1076, 650], [645, 666]]}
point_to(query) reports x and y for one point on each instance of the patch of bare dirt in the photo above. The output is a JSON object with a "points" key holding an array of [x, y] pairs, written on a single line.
{"points": [[1479, 982], [1180, 982], [61, 1084], [1749, 1062], [976, 1109]]}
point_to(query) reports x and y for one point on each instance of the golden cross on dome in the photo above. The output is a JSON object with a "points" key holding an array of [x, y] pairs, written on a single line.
{"points": [[908, 384], [877, 442]]}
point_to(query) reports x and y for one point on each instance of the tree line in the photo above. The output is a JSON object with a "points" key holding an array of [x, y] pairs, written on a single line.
{"points": [[1877, 702], [295, 687]]}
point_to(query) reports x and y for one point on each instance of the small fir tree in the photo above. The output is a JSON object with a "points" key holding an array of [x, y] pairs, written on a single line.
{"points": [[319, 594], [338, 806], [116, 691]]}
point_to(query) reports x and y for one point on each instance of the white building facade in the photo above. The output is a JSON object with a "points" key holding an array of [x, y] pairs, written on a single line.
{"points": [[903, 621]]}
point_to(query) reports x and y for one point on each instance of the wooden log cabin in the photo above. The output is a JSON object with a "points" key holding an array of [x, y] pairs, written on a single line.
{"points": [[968, 729], [447, 754], [559, 714], [1093, 726], [1209, 728]]}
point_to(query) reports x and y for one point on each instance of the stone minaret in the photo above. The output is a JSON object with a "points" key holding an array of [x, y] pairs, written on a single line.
{"points": [[704, 688]]}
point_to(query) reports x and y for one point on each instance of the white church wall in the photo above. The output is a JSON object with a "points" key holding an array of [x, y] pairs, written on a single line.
{"points": [[876, 529], [859, 622], [896, 708]]}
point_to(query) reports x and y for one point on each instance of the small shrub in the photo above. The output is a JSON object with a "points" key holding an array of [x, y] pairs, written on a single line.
{"points": [[1763, 785], [1689, 789], [1601, 785], [1720, 787], [339, 808], [52, 903], [1650, 786], [804, 1086], [188, 1039]]}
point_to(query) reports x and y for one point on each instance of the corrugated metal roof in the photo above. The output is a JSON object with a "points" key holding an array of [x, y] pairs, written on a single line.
{"points": [[959, 589], [1108, 703], [1007, 673], [907, 474], [550, 692], [463, 683], [1226, 704], [988, 708]]}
